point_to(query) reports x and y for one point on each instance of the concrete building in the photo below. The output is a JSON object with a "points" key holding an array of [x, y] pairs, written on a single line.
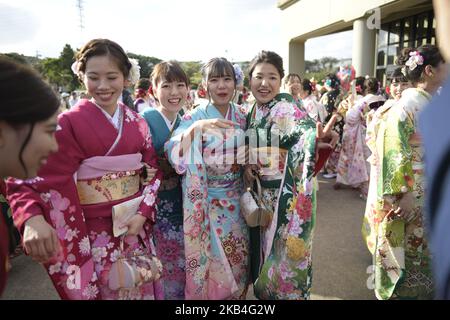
{"points": [[381, 28]]}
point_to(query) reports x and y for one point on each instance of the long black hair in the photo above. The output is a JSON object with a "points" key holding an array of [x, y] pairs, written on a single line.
{"points": [[25, 98]]}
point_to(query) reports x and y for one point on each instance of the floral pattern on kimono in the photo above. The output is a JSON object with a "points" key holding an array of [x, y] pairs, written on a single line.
{"points": [[215, 233], [168, 229], [80, 271], [371, 221], [353, 168], [281, 252], [331, 100], [402, 256], [314, 108]]}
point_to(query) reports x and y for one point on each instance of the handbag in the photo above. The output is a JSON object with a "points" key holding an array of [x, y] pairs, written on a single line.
{"points": [[253, 208], [129, 272]]}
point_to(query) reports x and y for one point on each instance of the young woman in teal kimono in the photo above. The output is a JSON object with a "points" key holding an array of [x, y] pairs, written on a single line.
{"points": [[204, 149], [281, 252], [170, 87]]}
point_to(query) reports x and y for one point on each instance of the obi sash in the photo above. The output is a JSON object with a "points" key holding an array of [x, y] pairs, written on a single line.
{"points": [[108, 178], [271, 161]]}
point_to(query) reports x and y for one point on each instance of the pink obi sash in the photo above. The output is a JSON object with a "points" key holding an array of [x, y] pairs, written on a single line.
{"points": [[108, 178]]}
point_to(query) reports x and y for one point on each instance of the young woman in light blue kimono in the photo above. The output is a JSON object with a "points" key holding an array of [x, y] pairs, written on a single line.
{"points": [[170, 86], [204, 149]]}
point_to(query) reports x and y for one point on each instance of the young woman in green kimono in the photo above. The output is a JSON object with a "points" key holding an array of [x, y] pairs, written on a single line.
{"points": [[286, 137], [402, 256]]}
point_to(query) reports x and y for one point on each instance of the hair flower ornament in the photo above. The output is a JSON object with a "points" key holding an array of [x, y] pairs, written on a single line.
{"points": [[135, 71], [74, 67], [239, 74], [415, 59]]}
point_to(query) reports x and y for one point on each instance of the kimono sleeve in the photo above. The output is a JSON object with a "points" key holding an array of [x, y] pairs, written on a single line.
{"points": [[147, 207], [173, 146], [37, 196], [397, 174]]}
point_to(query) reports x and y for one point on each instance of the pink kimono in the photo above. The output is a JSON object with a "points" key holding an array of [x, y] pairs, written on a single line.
{"points": [[97, 166]]}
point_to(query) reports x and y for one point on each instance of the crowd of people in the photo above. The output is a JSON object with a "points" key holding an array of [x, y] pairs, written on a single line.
{"points": [[178, 162]]}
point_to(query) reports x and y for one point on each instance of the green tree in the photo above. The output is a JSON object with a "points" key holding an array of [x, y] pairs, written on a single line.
{"points": [[328, 62], [193, 71], [66, 59], [146, 63], [51, 70]]}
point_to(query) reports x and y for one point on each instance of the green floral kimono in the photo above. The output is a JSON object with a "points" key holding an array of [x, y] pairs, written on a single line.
{"points": [[281, 252], [402, 258]]}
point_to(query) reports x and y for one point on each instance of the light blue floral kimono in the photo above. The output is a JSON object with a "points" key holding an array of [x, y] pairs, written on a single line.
{"points": [[215, 233]]}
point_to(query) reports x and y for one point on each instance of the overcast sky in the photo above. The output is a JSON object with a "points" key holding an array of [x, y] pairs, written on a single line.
{"points": [[184, 30]]}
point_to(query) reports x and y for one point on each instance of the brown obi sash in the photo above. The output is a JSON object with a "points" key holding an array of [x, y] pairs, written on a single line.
{"points": [[109, 187], [271, 160]]}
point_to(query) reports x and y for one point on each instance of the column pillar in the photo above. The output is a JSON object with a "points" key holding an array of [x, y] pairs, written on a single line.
{"points": [[296, 60], [363, 55]]}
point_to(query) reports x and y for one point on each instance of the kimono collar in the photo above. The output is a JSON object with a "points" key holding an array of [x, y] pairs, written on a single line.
{"points": [[169, 124], [115, 119]]}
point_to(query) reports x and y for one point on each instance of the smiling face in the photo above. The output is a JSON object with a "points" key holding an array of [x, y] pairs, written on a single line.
{"points": [[41, 144], [265, 82], [294, 86], [104, 81], [397, 87], [221, 90], [171, 96]]}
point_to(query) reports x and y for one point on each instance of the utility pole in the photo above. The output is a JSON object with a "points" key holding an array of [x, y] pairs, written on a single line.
{"points": [[80, 14]]}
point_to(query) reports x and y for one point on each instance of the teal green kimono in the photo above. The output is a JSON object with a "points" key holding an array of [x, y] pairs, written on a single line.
{"points": [[168, 229]]}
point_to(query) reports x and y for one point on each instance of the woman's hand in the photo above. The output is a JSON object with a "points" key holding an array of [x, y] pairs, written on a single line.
{"points": [[135, 225], [319, 130], [150, 174], [40, 239], [214, 124], [406, 206]]}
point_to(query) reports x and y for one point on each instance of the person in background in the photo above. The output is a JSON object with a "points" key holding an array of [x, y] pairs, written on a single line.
{"points": [[398, 83], [353, 169], [435, 132], [27, 132], [65, 105], [402, 256], [73, 99], [293, 84], [314, 108], [143, 96], [331, 100]]}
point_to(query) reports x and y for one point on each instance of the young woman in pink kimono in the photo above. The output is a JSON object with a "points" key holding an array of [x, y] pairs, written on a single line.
{"points": [[65, 213], [353, 169]]}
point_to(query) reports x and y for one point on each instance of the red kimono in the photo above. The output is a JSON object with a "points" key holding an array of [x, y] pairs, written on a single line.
{"points": [[4, 251], [76, 196]]}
